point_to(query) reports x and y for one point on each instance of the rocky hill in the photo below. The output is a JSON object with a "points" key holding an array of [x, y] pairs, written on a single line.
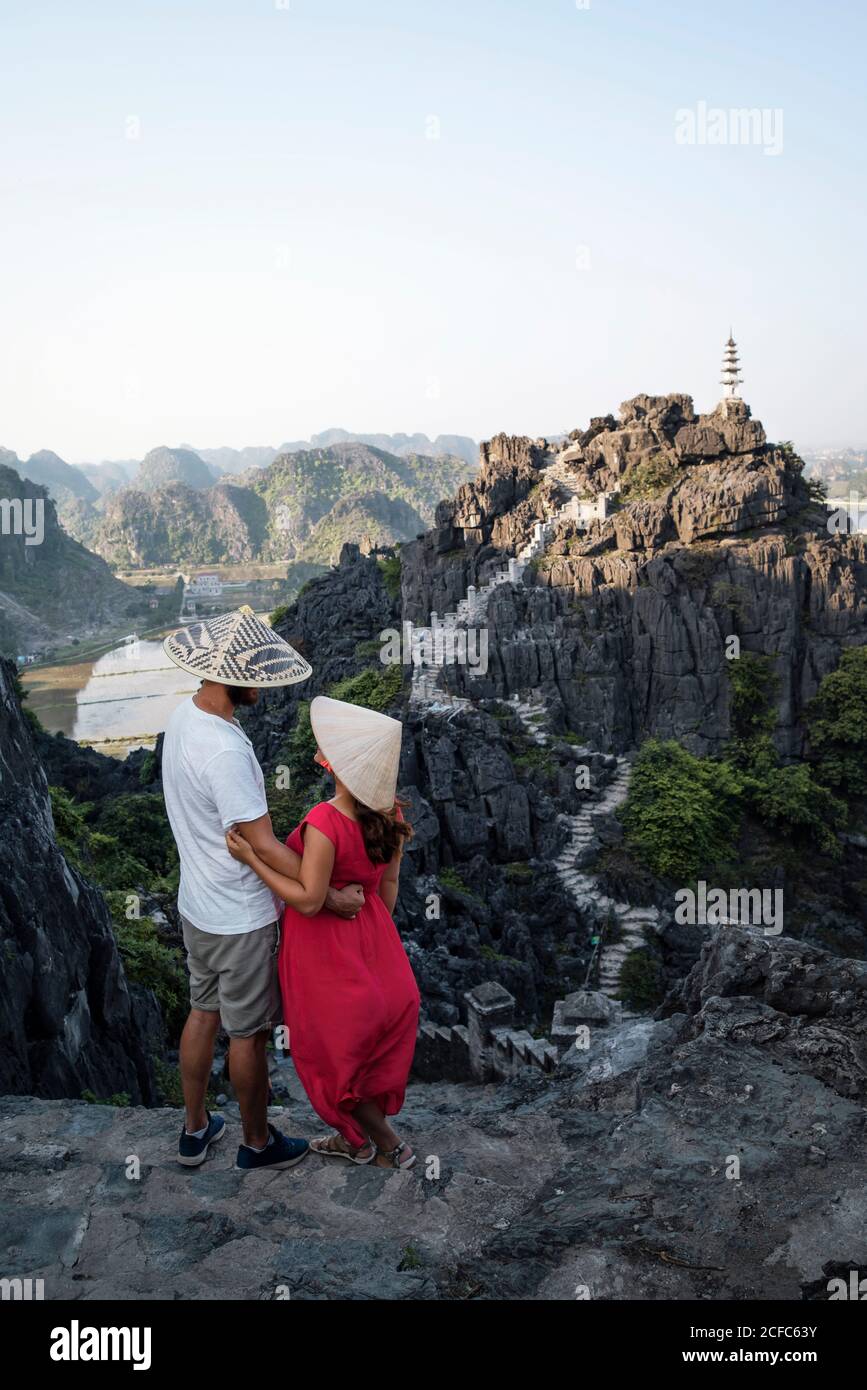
{"points": [[62, 479], [302, 507], [164, 466], [401, 445], [53, 590]]}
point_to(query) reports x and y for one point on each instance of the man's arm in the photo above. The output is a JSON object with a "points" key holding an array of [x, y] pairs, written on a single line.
{"points": [[259, 834]]}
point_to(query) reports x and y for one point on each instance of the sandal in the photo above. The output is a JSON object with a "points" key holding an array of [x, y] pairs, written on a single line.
{"points": [[394, 1157], [329, 1147]]}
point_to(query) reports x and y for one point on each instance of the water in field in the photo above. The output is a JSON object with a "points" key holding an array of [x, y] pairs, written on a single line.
{"points": [[116, 702]]}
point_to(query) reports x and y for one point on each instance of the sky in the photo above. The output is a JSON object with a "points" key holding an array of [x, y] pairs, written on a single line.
{"points": [[244, 221]]}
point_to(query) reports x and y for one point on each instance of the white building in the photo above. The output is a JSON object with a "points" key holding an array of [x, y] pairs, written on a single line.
{"points": [[204, 586], [583, 510]]}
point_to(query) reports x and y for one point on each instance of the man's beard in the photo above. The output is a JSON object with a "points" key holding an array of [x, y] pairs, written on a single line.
{"points": [[242, 695]]}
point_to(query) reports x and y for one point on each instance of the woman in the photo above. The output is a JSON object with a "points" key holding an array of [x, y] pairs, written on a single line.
{"points": [[349, 995]]}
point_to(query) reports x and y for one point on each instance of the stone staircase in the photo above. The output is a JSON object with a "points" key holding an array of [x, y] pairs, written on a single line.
{"points": [[621, 925], [625, 924], [489, 1048], [472, 610]]}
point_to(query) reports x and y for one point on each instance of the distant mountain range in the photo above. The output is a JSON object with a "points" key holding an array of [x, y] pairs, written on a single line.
{"points": [[183, 507], [401, 445]]}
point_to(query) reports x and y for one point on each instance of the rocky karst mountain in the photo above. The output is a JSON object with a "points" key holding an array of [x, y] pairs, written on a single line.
{"points": [[401, 445], [224, 506], [56, 589], [302, 507], [71, 491], [164, 466], [62, 479], [110, 475]]}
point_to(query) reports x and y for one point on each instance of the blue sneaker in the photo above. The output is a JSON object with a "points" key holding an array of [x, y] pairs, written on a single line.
{"points": [[282, 1152], [192, 1152]]}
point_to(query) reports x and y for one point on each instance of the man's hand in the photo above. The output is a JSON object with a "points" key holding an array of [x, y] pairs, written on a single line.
{"points": [[345, 902]]}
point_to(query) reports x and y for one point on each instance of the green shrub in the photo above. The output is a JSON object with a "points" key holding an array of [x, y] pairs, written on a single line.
{"points": [[389, 567], [126, 844], [682, 812], [279, 614], [120, 1098], [171, 1092], [754, 686], [641, 981], [376, 687], [149, 961], [650, 478], [289, 805], [790, 797], [837, 725], [488, 953], [148, 769], [452, 879], [536, 759]]}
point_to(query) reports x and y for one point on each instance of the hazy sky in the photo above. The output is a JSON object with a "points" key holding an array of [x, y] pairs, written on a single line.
{"points": [[227, 221]]}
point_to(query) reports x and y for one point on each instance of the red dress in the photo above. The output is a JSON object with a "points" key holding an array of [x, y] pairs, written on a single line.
{"points": [[349, 995]]}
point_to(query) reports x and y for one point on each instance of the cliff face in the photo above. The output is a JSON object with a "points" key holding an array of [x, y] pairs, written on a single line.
{"points": [[68, 1020], [622, 632]]}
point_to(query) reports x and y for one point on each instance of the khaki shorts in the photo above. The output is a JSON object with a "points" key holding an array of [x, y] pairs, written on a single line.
{"points": [[235, 976]]}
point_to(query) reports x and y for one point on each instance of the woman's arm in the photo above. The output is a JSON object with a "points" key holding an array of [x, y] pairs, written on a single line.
{"points": [[344, 902], [389, 882], [307, 892]]}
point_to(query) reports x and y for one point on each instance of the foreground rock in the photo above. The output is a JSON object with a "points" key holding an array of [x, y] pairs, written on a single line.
{"points": [[69, 1021], [712, 1154]]}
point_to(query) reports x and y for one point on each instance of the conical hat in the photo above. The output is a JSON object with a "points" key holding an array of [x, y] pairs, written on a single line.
{"points": [[236, 649], [362, 746]]}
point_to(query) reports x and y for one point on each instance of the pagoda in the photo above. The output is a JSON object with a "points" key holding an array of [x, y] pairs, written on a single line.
{"points": [[731, 367], [731, 403]]}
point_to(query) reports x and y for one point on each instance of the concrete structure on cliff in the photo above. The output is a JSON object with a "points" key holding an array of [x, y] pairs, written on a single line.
{"points": [[731, 378]]}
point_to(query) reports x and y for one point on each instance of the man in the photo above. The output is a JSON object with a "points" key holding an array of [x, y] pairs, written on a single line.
{"points": [[212, 781]]}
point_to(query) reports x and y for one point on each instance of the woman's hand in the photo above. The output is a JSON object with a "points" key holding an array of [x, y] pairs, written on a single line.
{"points": [[239, 848]]}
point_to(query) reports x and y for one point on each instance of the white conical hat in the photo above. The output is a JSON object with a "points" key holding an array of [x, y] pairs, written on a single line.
{"points": [[236, 649], [362, 746]]}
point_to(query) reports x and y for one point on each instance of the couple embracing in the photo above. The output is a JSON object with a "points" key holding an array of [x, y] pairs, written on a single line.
{"points": [[309, 920]]}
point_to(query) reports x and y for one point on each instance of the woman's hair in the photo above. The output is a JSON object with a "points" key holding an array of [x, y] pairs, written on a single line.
{"points": [[383, 831]]}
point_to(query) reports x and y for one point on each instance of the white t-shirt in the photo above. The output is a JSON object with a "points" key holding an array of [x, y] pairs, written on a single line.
{"points": [[211, 779]]}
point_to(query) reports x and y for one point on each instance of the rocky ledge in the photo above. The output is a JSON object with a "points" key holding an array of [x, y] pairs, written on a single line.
{"points": [[714, 1152]]}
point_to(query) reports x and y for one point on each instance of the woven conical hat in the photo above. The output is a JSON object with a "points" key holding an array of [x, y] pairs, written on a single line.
{"points": [[362, 746], [236, 649]]}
